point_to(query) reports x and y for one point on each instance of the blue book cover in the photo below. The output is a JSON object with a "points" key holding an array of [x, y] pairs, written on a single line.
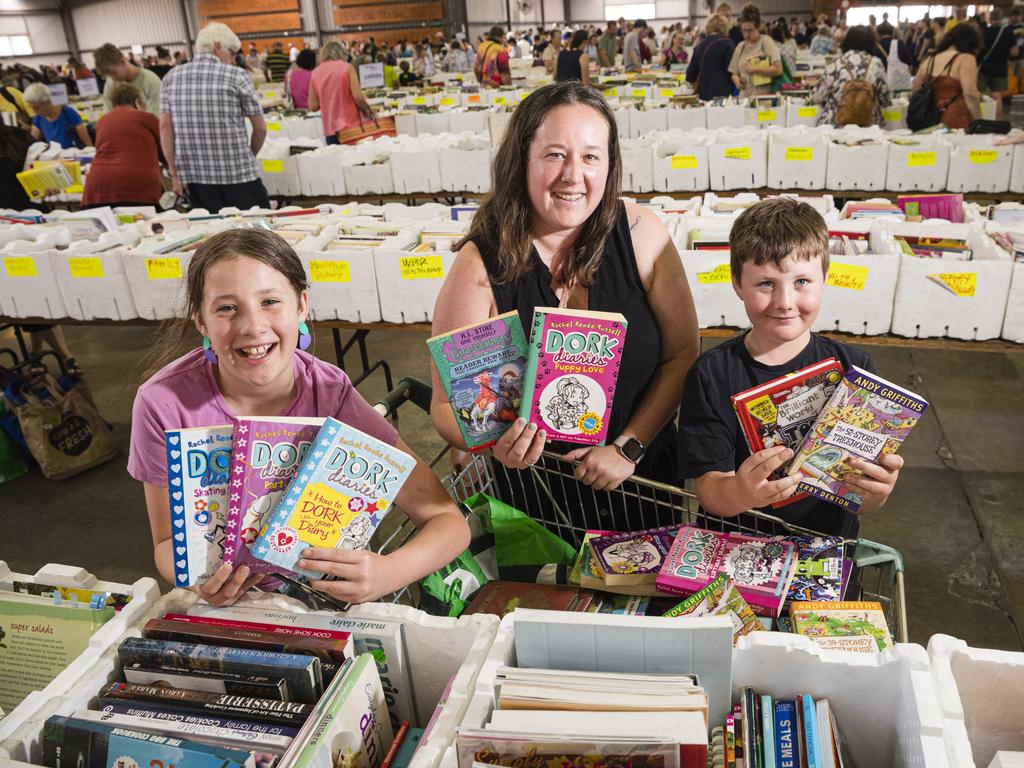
{"points": [[787, 747], [344, 488], [768, 727], [811, 745]]}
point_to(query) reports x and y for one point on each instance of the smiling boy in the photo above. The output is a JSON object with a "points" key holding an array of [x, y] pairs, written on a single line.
{"points": [[779, 263]]}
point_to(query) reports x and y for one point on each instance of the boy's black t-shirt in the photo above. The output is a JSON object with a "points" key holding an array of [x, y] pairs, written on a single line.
{"points": [[710, 436]]}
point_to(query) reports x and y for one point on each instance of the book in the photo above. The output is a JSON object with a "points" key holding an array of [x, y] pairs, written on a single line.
{"points": [[768, 731], [198, 464], [584, 561], [632, 558], [826, 742], [209, 680], [572, 369], [822, 572], [152, 711], [481, 368], [842, 619], [344, 488], [720, 598], [760, 61], [867, 417], [77, 596], [396, 744], [538, 696], [751, 758], [302, 672], [265, 458], [787, 748], [811, 745], [781, 411], [408, 748], [502, 597], [517, 750]]}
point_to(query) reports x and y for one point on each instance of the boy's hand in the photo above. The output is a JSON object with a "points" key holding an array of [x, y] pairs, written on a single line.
{"points": [[877, 482], [755, 488]]}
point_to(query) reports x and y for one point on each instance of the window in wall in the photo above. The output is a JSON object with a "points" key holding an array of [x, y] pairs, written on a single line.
{"points": [[633, 11], [15, 45], [903, 13]]}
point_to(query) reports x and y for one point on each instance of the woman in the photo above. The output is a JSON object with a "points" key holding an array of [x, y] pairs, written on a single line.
{"points": [[54, 122], [857, 62], [675, 52], [334, 90], [757, 59], [296, 79], [787, 47], [709, 68], [574, 63], [14, 144], [126, 168], [555, 233], [953, 73], [821, 43], [247, 296]]}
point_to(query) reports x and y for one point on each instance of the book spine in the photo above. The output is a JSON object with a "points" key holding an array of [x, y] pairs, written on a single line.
{"points": [[532, 360], [334, 636], [235, 551], [786, 748], [292, 714], [396, 743], [205, 732], [730, 741], [241, 637], [810, 721], [151, 711], [756, 728], [768, 728], [259, 686], [184, 555]]}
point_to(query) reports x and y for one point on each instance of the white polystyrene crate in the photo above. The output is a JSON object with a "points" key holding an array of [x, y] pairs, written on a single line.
{"points": [[637, 164], [466, 165], [726, 116], [157, 280], [1017, 169], [765, 117], [322, 172], [92, 279], [373, 178], [977, 165], [432, 123], [643, 121], [738, 160], [342, 283], [919, 167], [399, 212], [687, 119], [308, 127], [405, 123], [408, 283], [797, 158], [423, 100], [884, 704], [894, 117], [857, 167], [417, 169], [1013, 323], [28, 281], [710, 279], [981, 693], [497, 122], [799, 112], [278, 170], [622, 118], [469, 121], [959, 299], [145, 593]]}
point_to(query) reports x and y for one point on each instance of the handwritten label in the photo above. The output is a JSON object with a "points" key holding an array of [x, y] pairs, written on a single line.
{"points": [[850, 276], [20, 266], [422, 267], [419, 100], [800, 154], [983, 156], [668, 93], [85, 266], [683, 162], [273, 166], [737, 153], [920, 159], [500, 100], [962, 284], [167, 268], [321, 271], [806, 111], [274, 126], [612, 92], [447, 101], [720, 274], [891, 115], [766, 115], [639, 93]]}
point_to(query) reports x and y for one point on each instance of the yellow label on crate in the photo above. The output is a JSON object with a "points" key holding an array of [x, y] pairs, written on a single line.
{"points": [[500, 100], [737, 153], [273, 166], [125, 218], [963, 284], [806, 111], [668, 93], [270, 94], [85, 266], [418, 100], [447, 101], [639, 93], [274, 126], [421, 267], [891, 115], [720, 274], [800, 154], [764, 410], [612, 92], [766, 115], [850, 276], [983, 156], [166, 268], [523, 95], [920, 159], [20, 266], [321, 271], [683, 162]]}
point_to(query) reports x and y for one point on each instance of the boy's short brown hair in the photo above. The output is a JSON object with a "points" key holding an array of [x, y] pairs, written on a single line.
{"points": [[106, 56], [774, 229]]}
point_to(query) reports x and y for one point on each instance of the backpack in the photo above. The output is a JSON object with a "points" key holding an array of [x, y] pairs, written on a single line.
{"points": [[486, 66], [857, 102], [923, 109]]}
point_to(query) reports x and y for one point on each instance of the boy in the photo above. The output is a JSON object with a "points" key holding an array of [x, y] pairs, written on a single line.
{"points": [[779, 261]]}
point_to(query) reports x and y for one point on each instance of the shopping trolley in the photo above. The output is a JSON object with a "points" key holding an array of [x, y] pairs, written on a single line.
{"points": [[637, 504]]}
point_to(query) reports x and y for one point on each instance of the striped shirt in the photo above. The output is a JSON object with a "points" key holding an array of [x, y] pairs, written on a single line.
{"points": [[278, 63]]}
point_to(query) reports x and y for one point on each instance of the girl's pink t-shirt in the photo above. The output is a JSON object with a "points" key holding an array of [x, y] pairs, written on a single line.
{"points": [[337, 108], [297, 81], [185, 394]]}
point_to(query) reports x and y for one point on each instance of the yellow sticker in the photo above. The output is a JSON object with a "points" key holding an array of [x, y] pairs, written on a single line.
{"points": [[983, 156], [447, 101], [800, 154], [271, 94], [737, 153], [421, 267], [764, 410], [20, 266], [166, 268], [963, 284], [125, 218], [683, 162], [806, 111], [273, 166], [720, 274], [639, 93], [850, 276], [500, 100], [920, 159], [891, 115], [321, 271], [523, 95], [766, 115], [273, 126], [82, 115], [668, 93], [85, 266], [419, 100]]}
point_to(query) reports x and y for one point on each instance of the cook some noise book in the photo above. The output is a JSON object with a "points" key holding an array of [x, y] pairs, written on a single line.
{"points": [[267, 453], [343, 489], [198, 464], [867, 417], [481, 367], [571, 373]]}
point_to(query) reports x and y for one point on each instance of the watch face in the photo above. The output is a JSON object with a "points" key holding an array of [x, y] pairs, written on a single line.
{"points": [[633, 449]]}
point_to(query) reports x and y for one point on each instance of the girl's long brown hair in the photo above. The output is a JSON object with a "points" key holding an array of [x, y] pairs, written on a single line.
{"points": [[504, 215]]}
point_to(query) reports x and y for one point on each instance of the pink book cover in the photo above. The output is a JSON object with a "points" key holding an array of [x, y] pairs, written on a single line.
{"points": [[762, 570], [571, 372], [265, 457], [692, 562]]}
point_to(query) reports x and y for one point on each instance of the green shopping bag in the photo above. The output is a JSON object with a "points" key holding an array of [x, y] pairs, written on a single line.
{"points": [[519, 539]]}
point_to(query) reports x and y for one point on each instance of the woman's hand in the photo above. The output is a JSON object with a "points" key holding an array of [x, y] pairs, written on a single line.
{"points": [[225, 587], [601, 467], [363, 575], [520, 446]]}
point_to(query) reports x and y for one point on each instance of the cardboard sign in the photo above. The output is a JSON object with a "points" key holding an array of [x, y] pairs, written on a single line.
{"points": [[88, 86], [371, 75]]}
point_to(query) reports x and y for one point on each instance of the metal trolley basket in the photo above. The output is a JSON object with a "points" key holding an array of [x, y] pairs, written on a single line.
{"points": [[637, 504]]}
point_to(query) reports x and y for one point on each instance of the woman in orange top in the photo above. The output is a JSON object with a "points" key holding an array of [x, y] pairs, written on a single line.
{"points": [[953, 71]]}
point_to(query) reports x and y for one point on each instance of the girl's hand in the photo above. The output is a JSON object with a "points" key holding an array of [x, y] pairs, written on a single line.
{"points": [[602, 467], [225, 587], [362, 574], [520, 446]]}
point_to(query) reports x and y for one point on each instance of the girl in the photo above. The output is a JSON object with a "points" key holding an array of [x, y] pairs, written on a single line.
{"points": [[247, 297]]}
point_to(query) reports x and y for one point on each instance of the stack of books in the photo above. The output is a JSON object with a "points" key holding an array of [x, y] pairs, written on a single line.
{"points": [[874, 210]]}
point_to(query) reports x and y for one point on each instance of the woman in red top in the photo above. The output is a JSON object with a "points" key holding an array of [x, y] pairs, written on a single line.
{"points": [[126, 168]]}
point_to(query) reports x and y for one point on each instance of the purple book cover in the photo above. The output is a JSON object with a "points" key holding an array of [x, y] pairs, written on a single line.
{"points": [[693, 561], [571, 373], [264, 459], [819, 569], [636, 554], [761, 569]]}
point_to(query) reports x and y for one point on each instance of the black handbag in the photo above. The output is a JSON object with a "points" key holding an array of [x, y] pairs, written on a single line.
{"points": [[989, 126]]}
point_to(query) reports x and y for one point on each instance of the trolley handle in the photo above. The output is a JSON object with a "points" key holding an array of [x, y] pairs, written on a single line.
{"points": [[408, 390]]}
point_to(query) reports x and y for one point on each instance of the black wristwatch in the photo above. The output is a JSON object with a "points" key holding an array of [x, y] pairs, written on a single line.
{"points": [[630, 448]]}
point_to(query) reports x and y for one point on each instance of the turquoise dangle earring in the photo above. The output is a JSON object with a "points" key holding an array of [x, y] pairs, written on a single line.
{"points": [[208, 351], [304, 338]]}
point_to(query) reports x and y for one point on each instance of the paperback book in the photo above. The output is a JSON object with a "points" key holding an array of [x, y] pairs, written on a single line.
{"points": [[518, 750], [151, 711], [632, 558], [822, 572], [720, 598], [571, 373], [212, 681], [822, 621], [481, 367], [866, 418]]}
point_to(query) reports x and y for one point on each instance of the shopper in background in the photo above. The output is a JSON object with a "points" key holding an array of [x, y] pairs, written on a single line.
{"points": [[1000, 44], [959, 16], [708, 71], [821, 43], [296, 79], [423, 64], [725, 11], [757, 59], [458, 58], [550, 54], [334, 90], [55, 122], [555, 233], [574, 64], [491, 65], [14, 144], [674, 53], [163, 62], [252, 58], [277, 63], [632, 58], [13, 100], [953, 72], [608, 46], [111, 64], [203, 109], [787, 47], [126, 167], [857, 63]]}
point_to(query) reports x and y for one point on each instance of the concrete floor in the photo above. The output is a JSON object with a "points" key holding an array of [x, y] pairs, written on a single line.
{"points": [[955, 514]]}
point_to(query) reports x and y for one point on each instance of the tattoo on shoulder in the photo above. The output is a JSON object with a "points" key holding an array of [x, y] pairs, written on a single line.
{"points": [[635, 223]]}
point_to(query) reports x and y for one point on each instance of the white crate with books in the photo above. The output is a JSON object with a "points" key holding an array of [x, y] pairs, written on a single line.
{"points": [[638, 164], [1012, 235], [687, 118], [622, 118], [644, 121], [681, 161], [468, 121], [409, 279], [497, 121], [801, 112], [28, 279], [277, 168], [416, 164], [367, 170], [702, 243], [92, 279], [857, 159], [321, 172], [918, 163], [466, 164], [738, 159], [1017, 169], [156, 270], [433, 123], [765, 114], [405, 122], [977, 165], [727, 115], [797, 158]]}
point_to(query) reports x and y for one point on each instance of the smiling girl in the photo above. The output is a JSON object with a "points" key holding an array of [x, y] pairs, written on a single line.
{"points": [[248, 298]]}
